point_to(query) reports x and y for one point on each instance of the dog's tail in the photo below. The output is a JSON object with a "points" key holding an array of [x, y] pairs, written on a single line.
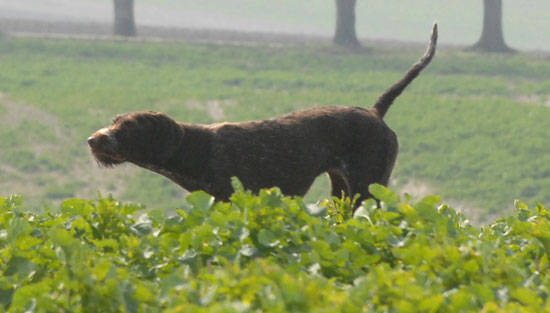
{"points": [[384, 102]]}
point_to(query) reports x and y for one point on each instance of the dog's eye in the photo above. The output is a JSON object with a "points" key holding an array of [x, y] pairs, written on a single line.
{"points": [[120, 135]]}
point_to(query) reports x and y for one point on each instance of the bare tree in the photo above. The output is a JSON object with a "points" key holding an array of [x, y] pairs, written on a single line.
{"points": [[124, 18], [345, 24], [492, 38]]}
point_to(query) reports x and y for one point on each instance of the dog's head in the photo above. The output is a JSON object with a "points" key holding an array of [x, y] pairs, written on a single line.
{"points": [[143, 138]]}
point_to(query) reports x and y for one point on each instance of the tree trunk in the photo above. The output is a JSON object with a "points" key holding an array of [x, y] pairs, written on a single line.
{"points": [[492, 38], [124, 18], [345, 23]]}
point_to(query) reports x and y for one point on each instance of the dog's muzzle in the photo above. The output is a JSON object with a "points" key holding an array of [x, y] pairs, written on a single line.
{"points": [[104, 147]]}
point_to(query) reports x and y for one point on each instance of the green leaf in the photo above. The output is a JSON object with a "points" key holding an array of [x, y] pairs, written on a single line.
{"points": [[520, 205], [341, 257], [242, 233], [383, 194], [128, 292], [427, 209], [389, 216], [367, 259], [195, 217], [404, 306], [461, 299], [80, 207], [62, 238], [267, 238], [200, 200], [526, 296], [315, 209], [248, 250], [11, 203], [323, 249], [24, 298], [397, 242], [101, 269], [156, 216], [6, 296], [362, 213], [143, 294], [483, 293], [17, 228], [189, 255], [431, 304], [31, 306], [471, 266], [236, 184], [21, 267], [143, 226], [109, 244]]}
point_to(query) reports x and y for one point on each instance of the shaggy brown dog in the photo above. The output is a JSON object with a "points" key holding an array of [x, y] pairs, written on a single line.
{"points": [[353, 145]]}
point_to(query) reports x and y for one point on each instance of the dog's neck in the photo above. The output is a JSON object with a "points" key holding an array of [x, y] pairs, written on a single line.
{"points": [[188, 166]]}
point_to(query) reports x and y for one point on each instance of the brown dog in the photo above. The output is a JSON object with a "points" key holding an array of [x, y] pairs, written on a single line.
{"points": [[353, 145]]}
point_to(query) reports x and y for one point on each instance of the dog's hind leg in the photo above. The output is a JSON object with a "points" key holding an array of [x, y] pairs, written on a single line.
{"points": [[370, 171], [361, 185], [339, 183]]}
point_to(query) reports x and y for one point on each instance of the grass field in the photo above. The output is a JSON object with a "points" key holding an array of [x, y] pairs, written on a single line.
{"points": [[473, 128]]}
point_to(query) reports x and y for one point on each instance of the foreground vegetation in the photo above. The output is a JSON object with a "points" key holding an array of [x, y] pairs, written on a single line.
{"points": [[472, 127], [269, 253]]}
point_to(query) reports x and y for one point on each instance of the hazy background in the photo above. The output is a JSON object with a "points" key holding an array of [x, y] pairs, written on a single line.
{"points": [[526, 22]]}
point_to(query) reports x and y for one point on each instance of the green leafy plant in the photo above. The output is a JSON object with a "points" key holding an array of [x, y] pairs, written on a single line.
{"points": [[271, 253]]}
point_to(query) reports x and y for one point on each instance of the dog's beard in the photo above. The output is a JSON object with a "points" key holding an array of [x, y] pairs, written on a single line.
{"points": [[108, 160]]}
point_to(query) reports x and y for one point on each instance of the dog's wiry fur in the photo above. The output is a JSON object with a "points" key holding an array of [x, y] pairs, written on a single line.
{"points": [[353, 145]]}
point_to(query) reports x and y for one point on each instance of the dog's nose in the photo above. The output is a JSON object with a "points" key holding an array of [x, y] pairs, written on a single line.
{"points": [[92, 140]]}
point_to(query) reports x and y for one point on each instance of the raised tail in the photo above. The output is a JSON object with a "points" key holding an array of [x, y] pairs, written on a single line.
{"points": [[384, 102]]}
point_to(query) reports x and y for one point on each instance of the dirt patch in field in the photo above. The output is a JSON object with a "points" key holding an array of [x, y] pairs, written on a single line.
{"points": [[214, 108], [419, 189], [533, 99], [15, 112]]}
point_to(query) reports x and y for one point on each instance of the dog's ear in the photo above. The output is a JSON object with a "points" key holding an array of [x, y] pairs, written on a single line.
{"points": [[170, 140]]}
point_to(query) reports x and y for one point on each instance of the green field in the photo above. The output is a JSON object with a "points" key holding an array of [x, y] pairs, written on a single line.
{"points": [[472, 128]]}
